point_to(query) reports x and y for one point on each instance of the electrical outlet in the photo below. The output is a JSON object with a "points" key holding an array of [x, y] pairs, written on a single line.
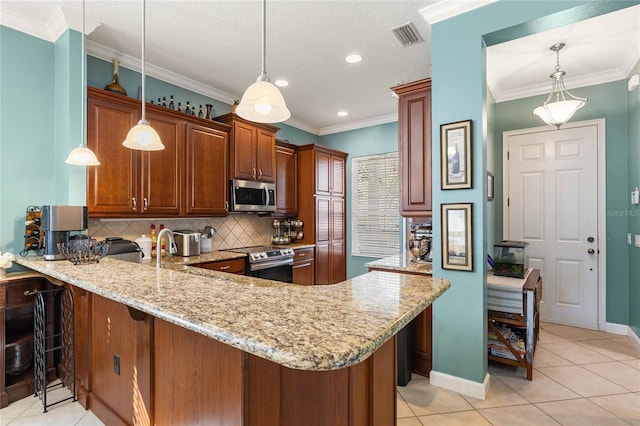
{"points": [[629, 238], [116, 364], [637, 240]]}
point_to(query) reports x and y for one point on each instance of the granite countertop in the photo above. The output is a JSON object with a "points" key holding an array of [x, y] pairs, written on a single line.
{"points": [[401, 263], [303, 327]]}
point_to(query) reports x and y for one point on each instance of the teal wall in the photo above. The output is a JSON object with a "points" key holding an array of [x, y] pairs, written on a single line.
{"points": [[368, 141], [100, 73], [459, 93], [34, 132], [633, 102], [608, 101]]}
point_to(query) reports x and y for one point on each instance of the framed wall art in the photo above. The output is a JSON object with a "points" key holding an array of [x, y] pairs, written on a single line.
{"points": [[457, 243], [455, 148]]}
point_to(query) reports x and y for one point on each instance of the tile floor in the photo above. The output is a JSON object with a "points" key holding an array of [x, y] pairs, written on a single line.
{"points": [[581, 377]]}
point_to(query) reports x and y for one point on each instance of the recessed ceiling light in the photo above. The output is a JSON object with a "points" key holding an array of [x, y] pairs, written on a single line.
{"points": [[353, 58], [343, 113], [282, 83]]}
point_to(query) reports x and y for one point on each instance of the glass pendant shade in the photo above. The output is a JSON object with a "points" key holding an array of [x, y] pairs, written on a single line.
{"points": [[262, 102], [82, 156], [143, 137]]}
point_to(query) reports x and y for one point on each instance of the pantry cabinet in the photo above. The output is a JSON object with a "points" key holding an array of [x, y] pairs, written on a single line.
{"points": [[184, 179], [252, 149], [286, 179], [322, 209], [414, 147]]}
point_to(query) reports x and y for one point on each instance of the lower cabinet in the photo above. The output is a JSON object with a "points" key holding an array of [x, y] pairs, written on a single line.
{"points": [[304, 266], [231, 266]]}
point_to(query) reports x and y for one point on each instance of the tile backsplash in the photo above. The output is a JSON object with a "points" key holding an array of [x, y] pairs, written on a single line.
{"points": [[235, 230]]}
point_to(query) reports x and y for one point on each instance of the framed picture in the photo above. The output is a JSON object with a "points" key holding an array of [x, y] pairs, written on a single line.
{"points": [[489, 186], [457, 248], [455, 148]]}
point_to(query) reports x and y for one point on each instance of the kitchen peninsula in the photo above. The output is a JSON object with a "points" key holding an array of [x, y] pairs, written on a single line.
{"points": [[196, 346]]}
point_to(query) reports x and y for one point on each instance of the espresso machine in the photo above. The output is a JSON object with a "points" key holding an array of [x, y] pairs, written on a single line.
{"points": [[59, 222]]}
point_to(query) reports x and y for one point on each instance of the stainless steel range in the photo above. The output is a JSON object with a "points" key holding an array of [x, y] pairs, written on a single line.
{"points": [[273, 263]]}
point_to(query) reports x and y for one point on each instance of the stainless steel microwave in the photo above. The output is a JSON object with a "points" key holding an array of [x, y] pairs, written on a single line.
{"points": [[251, 196]]}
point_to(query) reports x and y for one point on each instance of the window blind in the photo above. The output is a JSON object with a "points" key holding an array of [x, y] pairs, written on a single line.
{"points": [[375, 214]]}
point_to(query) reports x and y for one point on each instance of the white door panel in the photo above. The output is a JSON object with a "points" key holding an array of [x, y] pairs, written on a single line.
{"points": [[551, 188]]}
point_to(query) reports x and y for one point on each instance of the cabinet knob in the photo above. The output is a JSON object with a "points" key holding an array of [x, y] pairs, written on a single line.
{"points": [[224, 268], [302, 254], [145, 203], [135, 204]]}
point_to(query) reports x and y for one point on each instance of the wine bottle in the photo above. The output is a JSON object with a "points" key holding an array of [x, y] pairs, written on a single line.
{"points": [[164, 101], [188, 108], [171, 104], [200, 113], [179, 107]]}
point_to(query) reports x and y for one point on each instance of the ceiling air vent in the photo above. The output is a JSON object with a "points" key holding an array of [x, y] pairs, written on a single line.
{"points": [[407, 34]]}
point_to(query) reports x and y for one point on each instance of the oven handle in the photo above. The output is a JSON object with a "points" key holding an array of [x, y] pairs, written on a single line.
{"points": [[271, 264]]}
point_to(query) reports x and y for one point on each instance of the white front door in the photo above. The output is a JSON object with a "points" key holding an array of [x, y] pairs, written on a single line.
{"points": [[551, 184]]}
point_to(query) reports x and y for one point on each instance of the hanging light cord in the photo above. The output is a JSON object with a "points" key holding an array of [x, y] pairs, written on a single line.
{"points": [[264, 37], [143, 118], [83, 92]]}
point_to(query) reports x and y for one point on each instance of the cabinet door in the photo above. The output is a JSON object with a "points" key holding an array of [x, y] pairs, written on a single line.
{"points": [[338, 257], [422, 358], [244, 164], [415, 153], [112, 188], [231, 266], [337, 218], [337, 176], [323, 173], [304, 272], [265, 156], [323, 219], [206, 171], [286, 181], [323, 263], [162, 170]]}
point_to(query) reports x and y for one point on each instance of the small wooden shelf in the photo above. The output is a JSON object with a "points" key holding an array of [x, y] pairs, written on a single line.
{"points": [[528, 322]]}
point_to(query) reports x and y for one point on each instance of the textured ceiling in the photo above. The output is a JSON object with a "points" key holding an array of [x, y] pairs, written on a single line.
{"points": [[216, 45]]}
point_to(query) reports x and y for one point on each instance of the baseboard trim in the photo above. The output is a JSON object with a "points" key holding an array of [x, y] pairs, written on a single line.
{"points": [[623, 330], [635, 339], [460, 385]]}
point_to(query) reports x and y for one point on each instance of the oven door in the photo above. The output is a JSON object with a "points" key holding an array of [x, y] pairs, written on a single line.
{"points": [[279, 270]]}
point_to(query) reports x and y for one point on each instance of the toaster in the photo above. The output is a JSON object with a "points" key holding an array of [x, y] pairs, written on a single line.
{"points": [[187, 242]]}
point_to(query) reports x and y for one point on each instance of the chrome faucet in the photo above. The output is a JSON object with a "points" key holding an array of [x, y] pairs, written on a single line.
{"points": [[171, 247]]}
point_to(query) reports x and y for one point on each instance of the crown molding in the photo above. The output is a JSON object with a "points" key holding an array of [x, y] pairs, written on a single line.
{"points": [[446, 9], [25, 25], [60, 21], [390, 118]]}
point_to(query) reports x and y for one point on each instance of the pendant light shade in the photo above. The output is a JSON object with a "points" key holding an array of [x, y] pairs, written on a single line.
{"points": [[560, 105], [262, 102], [82, 155], [142, 136]]}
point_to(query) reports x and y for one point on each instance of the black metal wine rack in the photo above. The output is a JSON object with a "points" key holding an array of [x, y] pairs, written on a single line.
{"points": [[34, 233], [60, 343]]}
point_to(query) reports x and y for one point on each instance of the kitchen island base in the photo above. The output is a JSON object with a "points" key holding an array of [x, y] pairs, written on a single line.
{"points": [[166, 374]]}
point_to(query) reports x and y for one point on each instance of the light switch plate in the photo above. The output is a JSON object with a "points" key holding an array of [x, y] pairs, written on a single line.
{"points": [[629, 238], [637, 240]]}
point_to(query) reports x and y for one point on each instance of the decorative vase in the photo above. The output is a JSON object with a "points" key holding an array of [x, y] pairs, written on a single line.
{"points": [[114, 86], [235, 106], [3, 273], [209, 109]]}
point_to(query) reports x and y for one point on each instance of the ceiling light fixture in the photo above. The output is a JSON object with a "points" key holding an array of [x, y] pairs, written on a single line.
{"points": [[560, 104], [142, 136], [262, 102], [343, 113], [353, 58], [282, 83], [82, 155]]}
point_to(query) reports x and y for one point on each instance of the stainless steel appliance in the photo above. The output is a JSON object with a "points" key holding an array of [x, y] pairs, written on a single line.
{"points": [[126, 250], [187, 242], [251, 196], [421, 234], [59, 222], [272, 263]]}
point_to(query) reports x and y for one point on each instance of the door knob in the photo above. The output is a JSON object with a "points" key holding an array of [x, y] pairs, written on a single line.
{"points": [[591, 251]]}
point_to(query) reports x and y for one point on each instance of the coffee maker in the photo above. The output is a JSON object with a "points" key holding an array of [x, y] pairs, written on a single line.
{"points": [[59, 222]]}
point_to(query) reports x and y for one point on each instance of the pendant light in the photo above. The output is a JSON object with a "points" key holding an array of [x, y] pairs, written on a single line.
{"points": [[560, 104], [142, 136], [262, 102], [82, 155]]}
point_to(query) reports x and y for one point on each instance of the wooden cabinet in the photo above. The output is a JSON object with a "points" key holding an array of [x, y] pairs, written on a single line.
{"points": [[286, 179], [231, 266], [183, 179], [414, 147], [17, 294], [206, 171], [304, 266], [321, 185], [252, 152]]}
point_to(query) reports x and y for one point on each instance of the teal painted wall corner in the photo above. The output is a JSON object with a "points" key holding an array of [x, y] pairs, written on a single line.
{"points": [[633, 103]]}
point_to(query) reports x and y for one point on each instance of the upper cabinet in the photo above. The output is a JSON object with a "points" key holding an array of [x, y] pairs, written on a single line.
{"points": [[183, 179], [330, 172], [286, 179], [252, 149], [414, 147]]}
